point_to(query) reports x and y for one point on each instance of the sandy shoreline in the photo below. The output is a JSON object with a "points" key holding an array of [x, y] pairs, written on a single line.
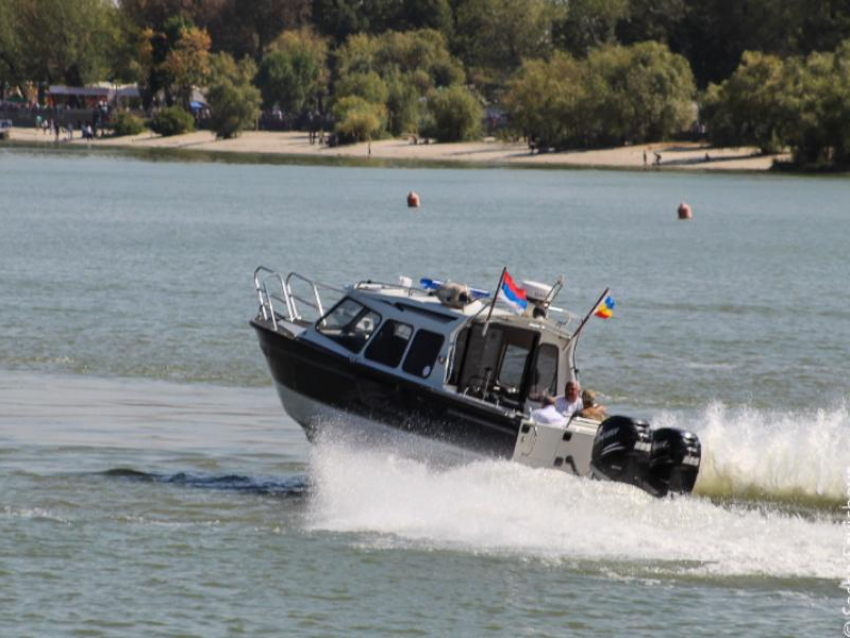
{"points": [[674, 155]]}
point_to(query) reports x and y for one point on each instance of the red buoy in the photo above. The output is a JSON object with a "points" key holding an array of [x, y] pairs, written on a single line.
{"points": [[685, 211], [413, 199]]}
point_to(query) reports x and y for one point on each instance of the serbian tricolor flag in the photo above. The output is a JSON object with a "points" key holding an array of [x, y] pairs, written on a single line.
{"points": [[606, 308], [513, 294]]}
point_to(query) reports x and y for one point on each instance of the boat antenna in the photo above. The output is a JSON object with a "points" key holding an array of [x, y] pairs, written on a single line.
{"points": [[587, 316], [493, 303]]}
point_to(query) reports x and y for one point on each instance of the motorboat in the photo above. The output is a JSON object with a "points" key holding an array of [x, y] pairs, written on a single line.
{"points": [[453, 366]]}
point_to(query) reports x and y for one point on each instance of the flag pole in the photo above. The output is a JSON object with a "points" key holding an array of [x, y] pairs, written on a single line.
{"points": [[493, 303], [587, 316]]}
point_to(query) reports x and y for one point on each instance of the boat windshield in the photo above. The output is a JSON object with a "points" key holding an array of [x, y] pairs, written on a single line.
{"points": [[349, 323]]}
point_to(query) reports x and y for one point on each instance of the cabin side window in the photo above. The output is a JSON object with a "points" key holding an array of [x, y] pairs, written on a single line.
{"points": [[511, 371], [458, 356], [389, 344], [545, 378], [423, 353], [349, 323]]}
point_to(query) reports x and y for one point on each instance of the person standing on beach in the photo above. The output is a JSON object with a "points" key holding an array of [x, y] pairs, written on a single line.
{"points": [[644, 157]]}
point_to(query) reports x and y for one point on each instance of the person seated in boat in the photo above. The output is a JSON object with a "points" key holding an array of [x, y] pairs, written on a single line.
{"points": [[591, 409], [560, 410]]}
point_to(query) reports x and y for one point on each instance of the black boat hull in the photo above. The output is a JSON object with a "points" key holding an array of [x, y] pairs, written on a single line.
{"points": [[314, 384]]}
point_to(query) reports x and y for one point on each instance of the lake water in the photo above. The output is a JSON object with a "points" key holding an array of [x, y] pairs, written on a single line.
{"points": [[151, 484]]}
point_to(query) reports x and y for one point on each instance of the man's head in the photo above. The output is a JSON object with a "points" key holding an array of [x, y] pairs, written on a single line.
{"points": [[571, 391]]}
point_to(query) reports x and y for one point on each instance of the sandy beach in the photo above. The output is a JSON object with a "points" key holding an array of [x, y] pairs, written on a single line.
{"points": [[673, 155]]}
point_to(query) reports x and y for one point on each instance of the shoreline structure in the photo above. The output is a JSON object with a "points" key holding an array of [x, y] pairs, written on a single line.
{"points": [[487, 152]]}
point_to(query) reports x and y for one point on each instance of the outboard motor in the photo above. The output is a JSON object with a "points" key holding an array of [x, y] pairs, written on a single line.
{"points": [[621, 450], [674, 462], [660, 461]]}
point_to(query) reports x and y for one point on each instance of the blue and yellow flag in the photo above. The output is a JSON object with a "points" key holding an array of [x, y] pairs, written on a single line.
{"points": [[605, 310]]}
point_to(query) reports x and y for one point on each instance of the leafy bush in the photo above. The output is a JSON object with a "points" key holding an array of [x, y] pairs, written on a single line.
{"points": [[403, 110], [357, 119], [645, 93], [289, 79], [369, 86], [172, 121], [641, 93], [801, 103], [457, 114], [124, 123], [750, 107], [234, 101]]}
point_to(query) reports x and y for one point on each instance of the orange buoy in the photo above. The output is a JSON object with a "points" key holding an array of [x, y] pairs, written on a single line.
{"points": [[685, 211], [413, 199]]}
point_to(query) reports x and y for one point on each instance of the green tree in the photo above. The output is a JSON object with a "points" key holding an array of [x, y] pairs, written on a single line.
{"points": [[545, 100], [749, 107], [818, 97], [658, 20], [235, 26], [396, 70], [158, 68], [357, 120], [188, 63], [294, 74], [618, 94], [289, 80], [714, 34], [234, 101], [494, 37], [249, 28], [457, 114], [801, 103], [61, 42], [642, 93], [340, 19], [368, 86], [589, 24], [11, 59], [423, 55], [403, 105]]}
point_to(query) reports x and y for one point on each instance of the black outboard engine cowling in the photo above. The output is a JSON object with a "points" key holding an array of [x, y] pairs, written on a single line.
{"points": [[659, 461], [621, 450], [674, 462]]}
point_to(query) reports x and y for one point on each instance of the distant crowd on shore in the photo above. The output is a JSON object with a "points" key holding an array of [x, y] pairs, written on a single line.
{"points": [[63, 126]]}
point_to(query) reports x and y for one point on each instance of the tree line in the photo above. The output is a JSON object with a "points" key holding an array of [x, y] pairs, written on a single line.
{"points": [[569, 73]]}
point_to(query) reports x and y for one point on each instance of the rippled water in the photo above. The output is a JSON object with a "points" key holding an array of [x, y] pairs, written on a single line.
{"points": [[150, 483]]}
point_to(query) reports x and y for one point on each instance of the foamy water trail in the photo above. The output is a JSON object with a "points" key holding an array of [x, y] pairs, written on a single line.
{"points": [[791, 456], [503, 507]]}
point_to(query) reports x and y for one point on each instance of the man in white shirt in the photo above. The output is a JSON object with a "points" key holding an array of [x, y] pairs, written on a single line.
{"points": [[570, 402], [560, 410]]}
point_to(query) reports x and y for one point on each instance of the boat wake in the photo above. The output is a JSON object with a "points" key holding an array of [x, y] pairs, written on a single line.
{"points": [[294, 486], [798, 458], [391, 500]]}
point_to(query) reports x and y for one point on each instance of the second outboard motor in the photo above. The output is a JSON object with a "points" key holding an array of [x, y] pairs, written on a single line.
{"points": [[621, 450], [674, 462]]}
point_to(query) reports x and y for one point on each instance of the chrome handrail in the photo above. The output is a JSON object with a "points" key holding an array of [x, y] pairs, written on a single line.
{"points": [[266, 297], [289, 299]]}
